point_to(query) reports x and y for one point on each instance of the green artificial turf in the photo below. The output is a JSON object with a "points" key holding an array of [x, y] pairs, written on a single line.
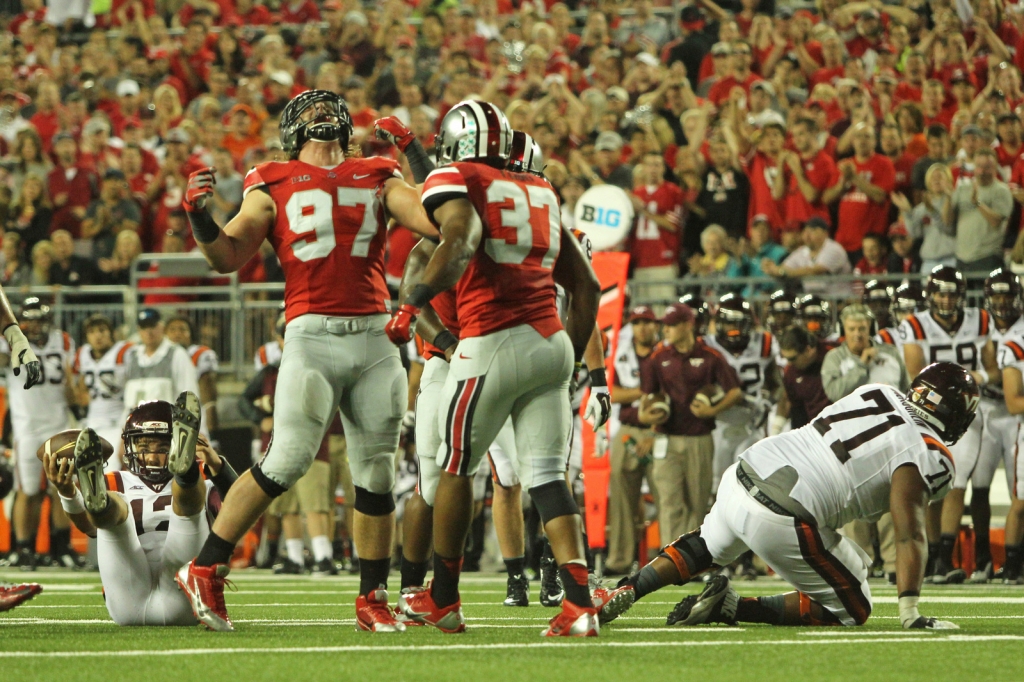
{"points": [[298, 628]]}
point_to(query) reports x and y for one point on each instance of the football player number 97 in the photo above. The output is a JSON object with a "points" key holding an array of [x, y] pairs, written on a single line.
{"points": [[518, 218], [312, 210]]}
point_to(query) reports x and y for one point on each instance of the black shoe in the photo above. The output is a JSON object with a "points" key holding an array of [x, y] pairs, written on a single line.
{"points": [[939, 572], [325, 567], [891, 578], [518, 593], [288, 567], [71, 560], [716, 604], [551, 590], [353, 566], [955, 577], [24, 559]]}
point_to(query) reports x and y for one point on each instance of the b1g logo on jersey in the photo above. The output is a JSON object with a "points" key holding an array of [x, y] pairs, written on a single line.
{"points": [[602, 216], [301, 178]]}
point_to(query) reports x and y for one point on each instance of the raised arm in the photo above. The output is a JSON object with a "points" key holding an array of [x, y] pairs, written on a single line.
{"points": [[229, 249], [403, 203]]}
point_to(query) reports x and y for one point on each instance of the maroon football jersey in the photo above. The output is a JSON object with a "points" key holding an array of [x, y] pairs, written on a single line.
{"points": [[330, 234], [509, 280]]}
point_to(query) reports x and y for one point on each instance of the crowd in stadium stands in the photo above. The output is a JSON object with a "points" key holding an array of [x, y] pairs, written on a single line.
{"points": [[732, 124]]}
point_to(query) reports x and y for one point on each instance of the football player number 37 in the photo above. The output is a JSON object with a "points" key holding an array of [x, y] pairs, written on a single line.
{"points": [[530, 231], [312, 211]]}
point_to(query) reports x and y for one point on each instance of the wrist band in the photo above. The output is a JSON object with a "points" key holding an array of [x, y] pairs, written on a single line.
{"points": [[204, 228], [420, 163], [598, 377], [73, 505], [420, 296], [445, 340]]}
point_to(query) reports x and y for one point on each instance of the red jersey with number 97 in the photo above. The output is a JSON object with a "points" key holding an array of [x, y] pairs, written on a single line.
{"points": [[329, 234], [509, 280]]}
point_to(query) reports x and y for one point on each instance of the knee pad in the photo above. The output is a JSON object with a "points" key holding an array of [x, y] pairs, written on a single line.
{"points": [[315, 397], [554, 500], [374, 504], [272, 488], [690, 555]]}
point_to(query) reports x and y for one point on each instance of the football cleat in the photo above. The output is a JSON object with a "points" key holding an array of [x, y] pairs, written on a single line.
{"points": [[325, 567], [13, 595], [71, 560], [716, 604], [89, 465], [401, 617], [573, 621], [204, 587], [611, 604], [185, 419], [551, 591], [954, 576], [982, 575], [288, 567], [420, 606], [373, 614], [518, 593]]}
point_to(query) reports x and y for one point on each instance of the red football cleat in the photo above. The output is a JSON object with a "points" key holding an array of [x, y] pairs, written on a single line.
{"points": [[611, 604], [204, 586], [420, 606], [573, 621], [373, 614], [401, 617], [13, 595]]}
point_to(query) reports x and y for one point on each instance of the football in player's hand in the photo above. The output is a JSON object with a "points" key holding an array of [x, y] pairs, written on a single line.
{"points": [[657, 402], [710, 395], [62, 446]]}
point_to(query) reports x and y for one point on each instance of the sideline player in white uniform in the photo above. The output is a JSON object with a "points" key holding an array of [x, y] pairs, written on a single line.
{"points": [[752, 354], [514, 357], [270, 352], [1003, 298], [878, 297], [150, 518], [100, 368], [326, 217], [35, 416], [874, 451], [179, 330], [949, 332]]}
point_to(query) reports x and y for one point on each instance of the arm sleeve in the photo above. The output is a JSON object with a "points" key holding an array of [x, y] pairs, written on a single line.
{"points": [[225, 479], [838, 385]]}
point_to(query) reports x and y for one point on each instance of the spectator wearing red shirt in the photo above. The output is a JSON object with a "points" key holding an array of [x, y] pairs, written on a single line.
{"points": [[654, 244], [764, 168], [70, 186], [716, 66], [219, 10], [865, 182], [356, 44], [363, 115], [46, 119], [833, 57], [914, 73], [868, 33], [875, 260], [741, 75], [903, 164], [299, 12], [243, 132], [1009, 149], [809, 171], [933, 104], [252, 14], [191, 63]]}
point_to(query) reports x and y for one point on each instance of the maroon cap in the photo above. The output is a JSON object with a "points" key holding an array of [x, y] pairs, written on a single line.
{"points": [[677, 313], [642, 312]]}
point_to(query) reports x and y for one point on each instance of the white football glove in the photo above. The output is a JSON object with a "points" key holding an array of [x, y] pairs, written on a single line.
{"points": [[22, 355], [599, 407], [924, 623]]}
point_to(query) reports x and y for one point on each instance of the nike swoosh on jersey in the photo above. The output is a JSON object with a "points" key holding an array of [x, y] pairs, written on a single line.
{"points": [[464, 357], [360, 177]]}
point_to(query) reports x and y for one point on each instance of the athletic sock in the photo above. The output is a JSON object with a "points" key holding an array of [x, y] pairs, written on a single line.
{"points": [[645, 582], [322, 548], [294, 546], [770, 610], [444, 588], [981, 516], [575, 583], [946, 545], [190, 477], [414, 572], [272, 550], [1013, 561], [515, 566], [60, 542], [25, 545], [373, 574], [216, 550], [933, 555]]}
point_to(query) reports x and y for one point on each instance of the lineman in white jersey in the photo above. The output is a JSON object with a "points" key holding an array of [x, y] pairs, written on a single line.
{"points": [[35, 416], [950, 332], [1011, 363], [150, 518], [179, 330], [99, 367], [752, 355], [874, 451]]}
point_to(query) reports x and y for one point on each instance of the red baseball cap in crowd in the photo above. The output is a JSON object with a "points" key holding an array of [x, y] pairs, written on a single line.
{"points": [[677, 313], [642, 312], [898, 230]]}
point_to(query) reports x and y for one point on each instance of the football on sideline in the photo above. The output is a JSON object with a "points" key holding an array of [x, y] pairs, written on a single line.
{"points": [[62, 445]]}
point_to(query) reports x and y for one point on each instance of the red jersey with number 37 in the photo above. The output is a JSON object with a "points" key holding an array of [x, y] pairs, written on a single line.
{"points": [[509, 280], [329, 234]]}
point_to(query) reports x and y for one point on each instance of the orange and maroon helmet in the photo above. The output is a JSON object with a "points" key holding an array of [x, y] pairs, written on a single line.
{"points": [[151, 418]]}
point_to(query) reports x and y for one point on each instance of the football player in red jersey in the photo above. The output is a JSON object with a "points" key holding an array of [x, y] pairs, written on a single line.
{"points": [[325, 215], [503, 249]]}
